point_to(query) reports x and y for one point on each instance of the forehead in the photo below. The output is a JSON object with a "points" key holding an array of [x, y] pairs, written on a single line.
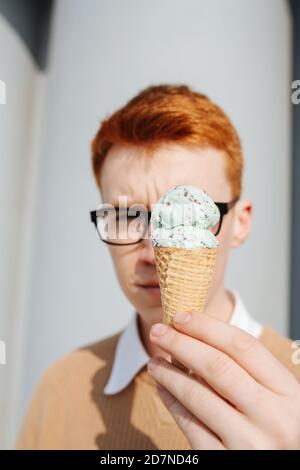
{"points": [[143, 176]]}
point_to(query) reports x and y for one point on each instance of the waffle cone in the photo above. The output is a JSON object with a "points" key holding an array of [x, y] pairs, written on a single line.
{"points": [[184, 278]]}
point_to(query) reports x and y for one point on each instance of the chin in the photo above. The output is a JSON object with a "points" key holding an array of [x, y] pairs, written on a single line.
{"points": [[142, 304], [151, 316], [151, 312], [144, 298]]}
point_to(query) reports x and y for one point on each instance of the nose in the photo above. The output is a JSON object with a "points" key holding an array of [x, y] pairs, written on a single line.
{"points": [[147, 252]]}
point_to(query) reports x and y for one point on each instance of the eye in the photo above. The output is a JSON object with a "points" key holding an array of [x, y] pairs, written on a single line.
{"points": [[104, 214], [135, 215], [135, 212], [132, 217]]}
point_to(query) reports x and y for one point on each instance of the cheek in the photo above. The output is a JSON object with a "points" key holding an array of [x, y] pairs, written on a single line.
{"points": [[220, 266], [224, 239], [226, 233], [124, 259]]}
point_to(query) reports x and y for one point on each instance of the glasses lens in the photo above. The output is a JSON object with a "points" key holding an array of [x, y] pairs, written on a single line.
{"points": [[122, 226], [214, 230]]}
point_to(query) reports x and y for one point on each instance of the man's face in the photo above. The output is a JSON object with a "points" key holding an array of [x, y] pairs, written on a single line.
{"points": [[127, 171]]}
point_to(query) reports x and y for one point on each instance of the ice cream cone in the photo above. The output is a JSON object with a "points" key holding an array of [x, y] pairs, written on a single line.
{"points": [[184, 278]]}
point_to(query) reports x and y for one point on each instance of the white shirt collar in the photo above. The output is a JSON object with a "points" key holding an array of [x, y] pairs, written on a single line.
{"points": [[131, 356]]}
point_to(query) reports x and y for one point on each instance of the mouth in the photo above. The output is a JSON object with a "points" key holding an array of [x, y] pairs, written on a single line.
{"points": [[151, 288]]}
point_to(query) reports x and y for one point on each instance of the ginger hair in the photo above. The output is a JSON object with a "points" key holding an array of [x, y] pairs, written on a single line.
{"points": [[171, 114]]}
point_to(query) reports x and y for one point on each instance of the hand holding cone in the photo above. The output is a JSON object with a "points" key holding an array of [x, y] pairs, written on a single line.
{"points": [[184, 278]]}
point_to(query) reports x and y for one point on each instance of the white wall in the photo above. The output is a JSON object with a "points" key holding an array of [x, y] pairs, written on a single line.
{"points": [[102, 53], [19, 130]]}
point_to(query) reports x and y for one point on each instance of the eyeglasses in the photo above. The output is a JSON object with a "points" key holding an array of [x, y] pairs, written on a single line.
{"points": [[128, 226]]}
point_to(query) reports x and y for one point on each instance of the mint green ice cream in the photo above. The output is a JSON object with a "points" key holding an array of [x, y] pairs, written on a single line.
{"points": [[182, 218]]}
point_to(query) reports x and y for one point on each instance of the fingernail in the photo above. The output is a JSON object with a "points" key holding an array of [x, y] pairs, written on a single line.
{"points": [[159, 329], [182, 317], [152, 363]]}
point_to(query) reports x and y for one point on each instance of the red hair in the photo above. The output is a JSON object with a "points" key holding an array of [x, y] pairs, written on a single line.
{"points": [[171, 114]]}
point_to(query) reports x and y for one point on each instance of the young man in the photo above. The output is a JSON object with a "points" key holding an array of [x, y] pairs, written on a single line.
{"points": [[243, 392]]}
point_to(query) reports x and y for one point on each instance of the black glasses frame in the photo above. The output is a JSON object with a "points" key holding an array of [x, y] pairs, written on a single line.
{"points": [[224, 208]]}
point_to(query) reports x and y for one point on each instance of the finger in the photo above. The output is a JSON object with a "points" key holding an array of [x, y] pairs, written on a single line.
{"points": [[223, 374], [197, 434], [210, 409], [245, 349]]}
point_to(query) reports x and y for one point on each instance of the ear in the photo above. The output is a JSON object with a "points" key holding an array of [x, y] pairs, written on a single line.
{"points": [[242, 224]]}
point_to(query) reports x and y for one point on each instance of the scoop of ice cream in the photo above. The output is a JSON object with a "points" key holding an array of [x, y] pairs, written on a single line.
{"points": [[182, 217]]}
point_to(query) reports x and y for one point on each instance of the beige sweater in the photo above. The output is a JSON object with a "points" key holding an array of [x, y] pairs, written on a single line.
{"points": [[69, 411]]}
